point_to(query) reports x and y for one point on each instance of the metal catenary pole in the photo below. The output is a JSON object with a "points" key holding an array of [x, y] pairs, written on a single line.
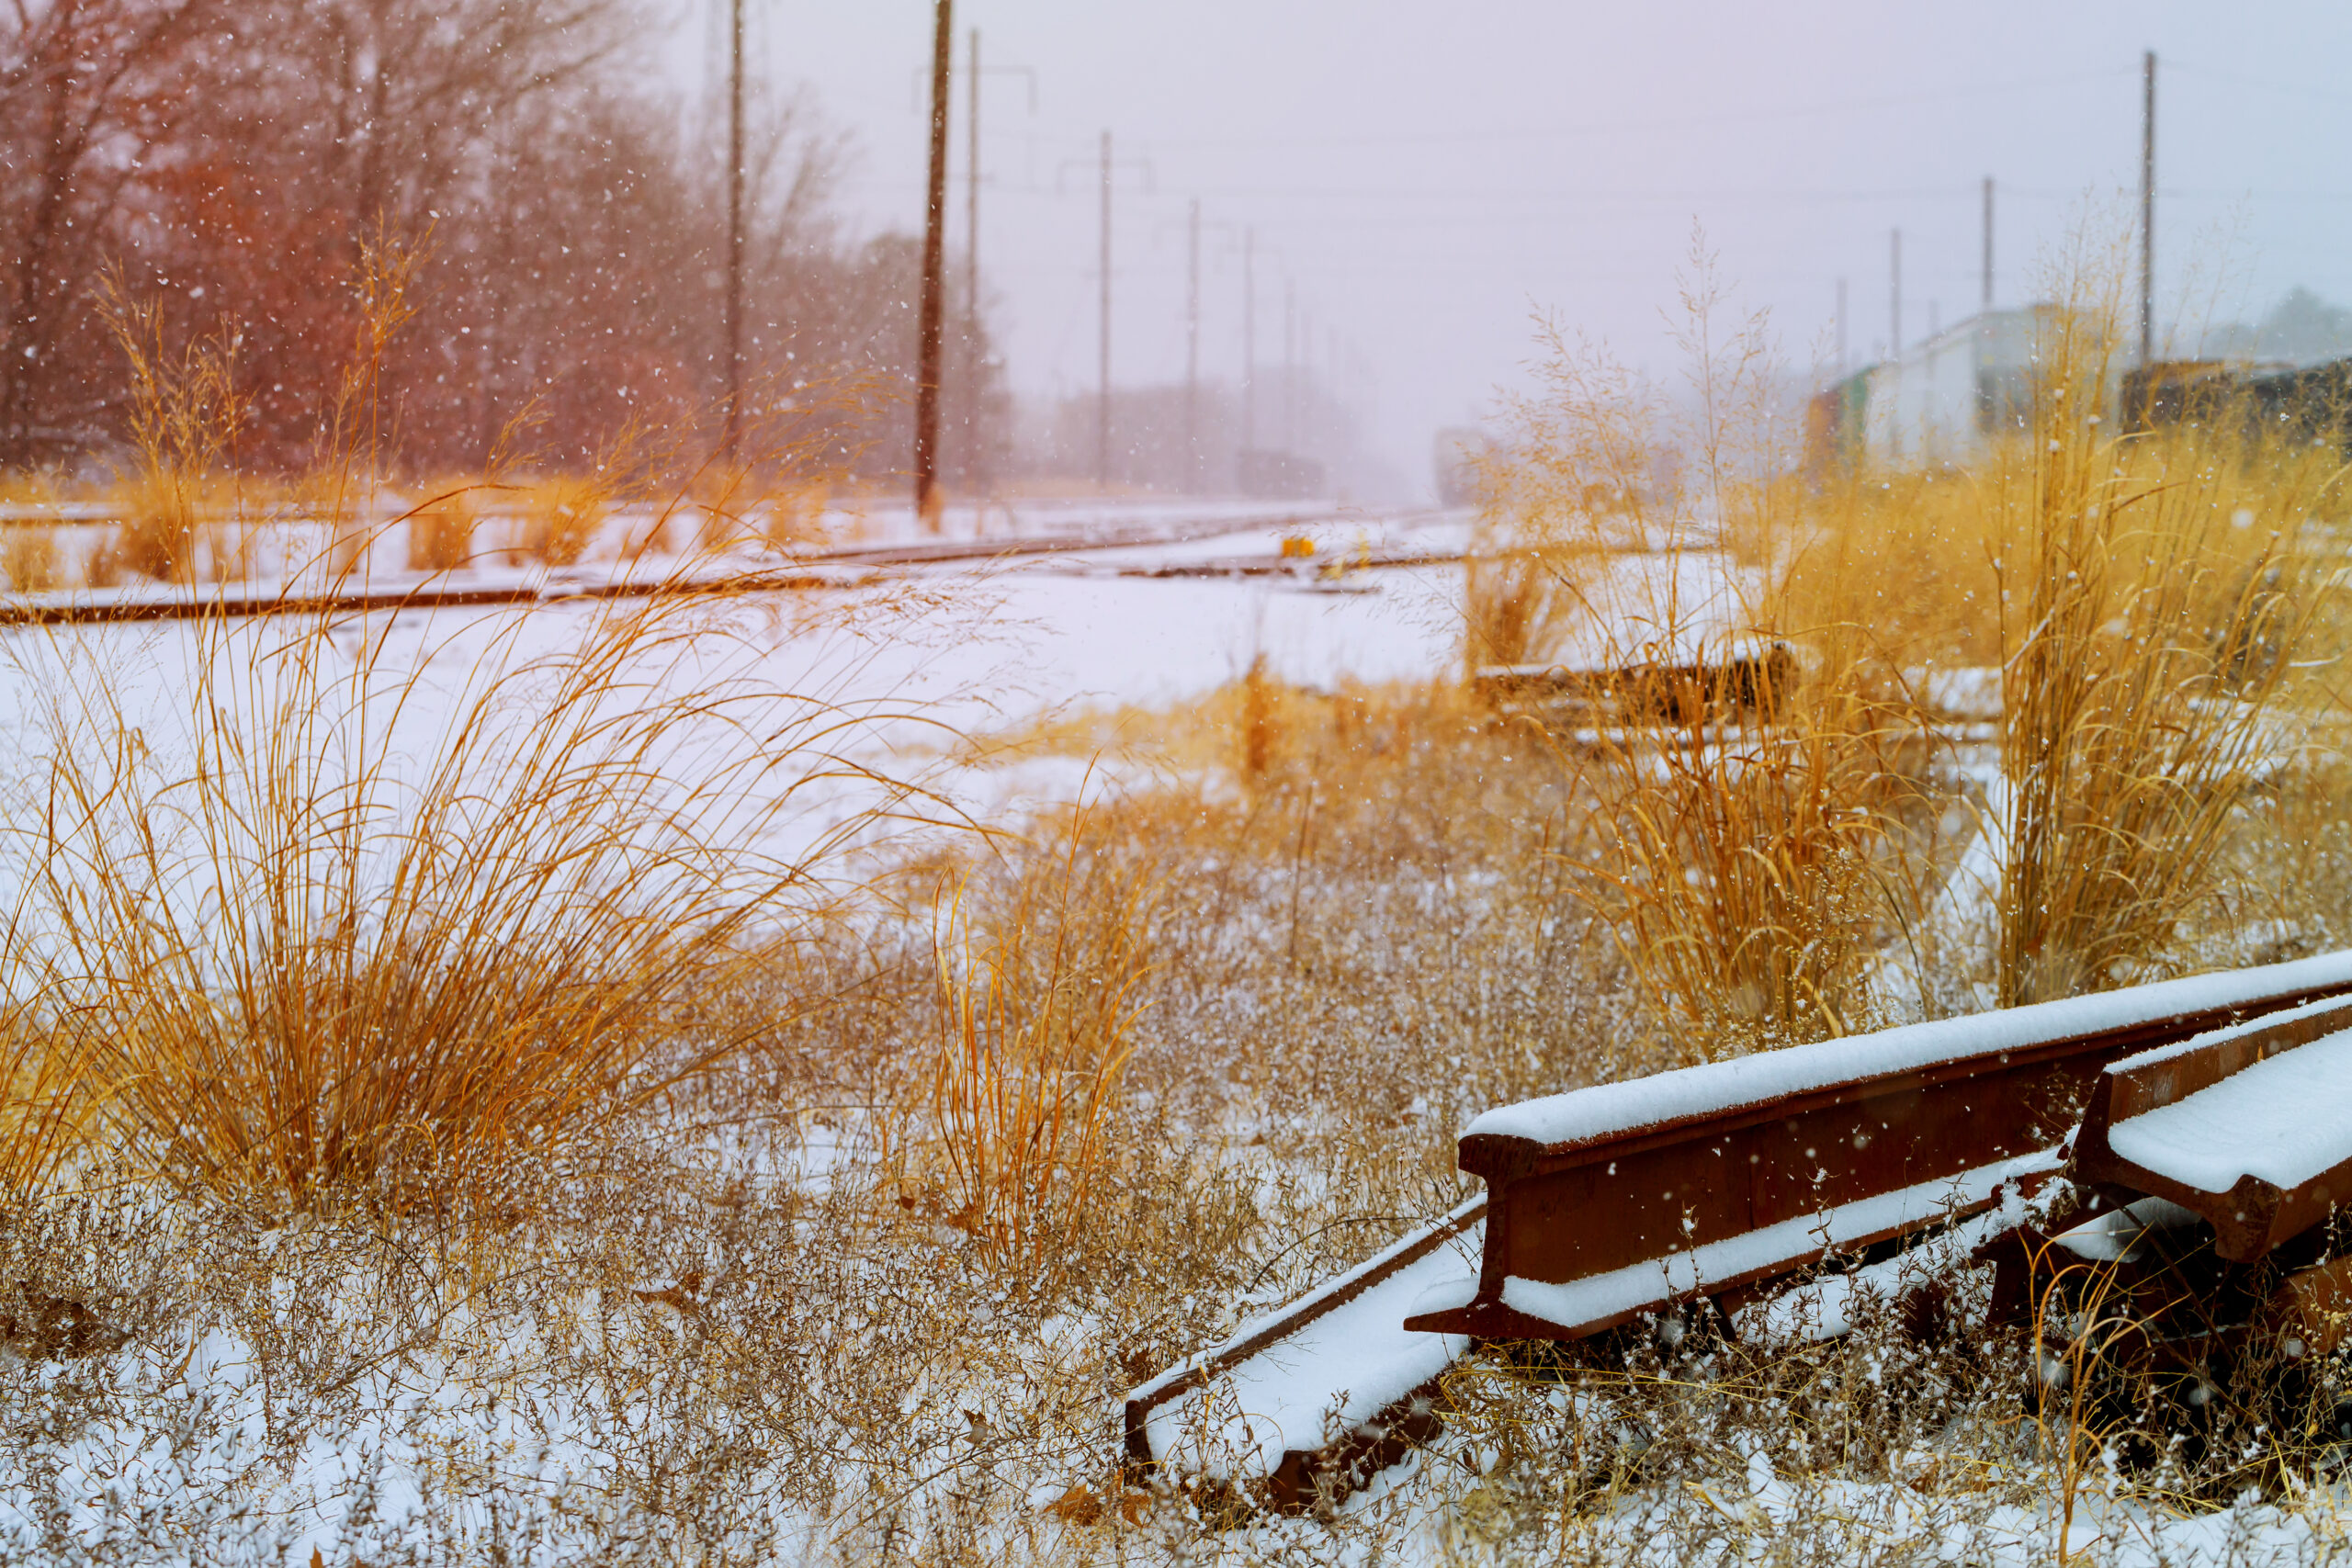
{"points": [[1249, 339], [1894, 296], [1841, 329]]}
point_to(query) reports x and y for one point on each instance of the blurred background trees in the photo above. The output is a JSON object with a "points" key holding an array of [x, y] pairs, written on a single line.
{"points": [[232, 159]]}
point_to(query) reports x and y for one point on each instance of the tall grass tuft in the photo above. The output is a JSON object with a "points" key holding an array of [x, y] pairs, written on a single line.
{"points": [[309, 935], [441, 532], [316, 914], [30, 557], [562, 518], [1749, 761], [2153, 611], [184, 416], [1039, 993]]}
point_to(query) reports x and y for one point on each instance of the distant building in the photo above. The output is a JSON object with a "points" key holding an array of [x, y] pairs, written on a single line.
{"points": [[1942, 401]]}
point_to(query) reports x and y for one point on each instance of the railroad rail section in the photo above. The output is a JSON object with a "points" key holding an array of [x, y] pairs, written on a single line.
{"points": [[2208, 1171], [1729, 1182]]}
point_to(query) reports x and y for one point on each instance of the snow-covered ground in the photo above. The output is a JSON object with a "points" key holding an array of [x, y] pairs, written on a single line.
{"points": [[920, 657]]}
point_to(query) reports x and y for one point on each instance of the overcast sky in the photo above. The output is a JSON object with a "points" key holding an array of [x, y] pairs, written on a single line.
{"points": [[1426, 176]]}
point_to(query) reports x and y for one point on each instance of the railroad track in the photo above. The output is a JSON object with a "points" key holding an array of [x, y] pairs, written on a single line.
{"points": [[808, 570], [1726, 1182]]}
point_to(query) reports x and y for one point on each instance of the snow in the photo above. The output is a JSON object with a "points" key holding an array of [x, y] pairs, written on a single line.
{"points": [[1971, 692], [1332, 1374], [1611, 1109], [916, 662], [1578, 1303], [2233, 1031], [2114, 1236], [2283, 1120], [1825, 1308]]}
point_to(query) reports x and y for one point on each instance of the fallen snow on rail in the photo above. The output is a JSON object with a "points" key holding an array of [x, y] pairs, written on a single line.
{"points": [[1611, 1109], [1578, 1303], [2212, 1037], [1332, 1373], [2287, 1120]]}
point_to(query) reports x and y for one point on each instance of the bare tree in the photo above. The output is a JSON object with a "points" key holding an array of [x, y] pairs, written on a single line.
{"points": [[88, 88]]}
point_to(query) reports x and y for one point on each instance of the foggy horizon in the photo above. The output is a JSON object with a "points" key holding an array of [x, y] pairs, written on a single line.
{"points": [[1427, 187]]}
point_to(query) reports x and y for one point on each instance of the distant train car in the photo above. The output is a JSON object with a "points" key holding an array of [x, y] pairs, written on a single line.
{"points": [[2306, 404]]}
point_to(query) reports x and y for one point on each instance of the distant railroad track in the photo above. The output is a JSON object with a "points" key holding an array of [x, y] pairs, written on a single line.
{"points": [[806, 571]]}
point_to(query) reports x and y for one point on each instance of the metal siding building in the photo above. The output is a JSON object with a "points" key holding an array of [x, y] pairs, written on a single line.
{"points": [[1945, 400]]}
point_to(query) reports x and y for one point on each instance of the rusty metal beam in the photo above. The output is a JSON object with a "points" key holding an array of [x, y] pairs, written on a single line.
{"points": [[1721, 1180], [2252, 1215]]}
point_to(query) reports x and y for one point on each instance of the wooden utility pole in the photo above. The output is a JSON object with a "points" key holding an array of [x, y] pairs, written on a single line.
{"points": [[1894, 296], [1988, 242], [2148, 208], [1192, 351], [1248, 338], [1841, 330], [1102, 403], [972, 183], [732, 431], [934, 251]]}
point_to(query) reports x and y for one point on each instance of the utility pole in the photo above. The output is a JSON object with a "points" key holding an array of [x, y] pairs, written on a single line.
{"points": [[974, 70], [972, 183], [1290, 364], [2148, 208], [732, 430], [934, 251], [1103, 406], [1988, 242], [1841, 330], [1895, 296], [1249, 339], [1193, 353]]}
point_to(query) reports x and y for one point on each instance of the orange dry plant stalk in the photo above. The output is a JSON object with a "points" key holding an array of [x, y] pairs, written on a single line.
{"points": [[1039, 1002]]}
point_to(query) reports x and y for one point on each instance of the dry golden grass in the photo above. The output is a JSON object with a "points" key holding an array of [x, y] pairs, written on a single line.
{"points": [[1038, 996], [185, 412], [2154, 612], [562, 518], [441, 532], [1751, 830], [30, 557], [297, 956], [333, 927]]}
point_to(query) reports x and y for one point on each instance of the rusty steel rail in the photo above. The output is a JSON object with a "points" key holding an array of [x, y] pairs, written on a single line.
{"points": [[2251, 1213], [1721, 1181], [2206, 1170], [195, 607], [807, 569], [1276, 1440]]}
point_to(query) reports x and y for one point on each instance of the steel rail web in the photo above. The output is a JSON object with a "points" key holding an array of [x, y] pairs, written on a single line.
{"points": [[1729, 1166]]}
